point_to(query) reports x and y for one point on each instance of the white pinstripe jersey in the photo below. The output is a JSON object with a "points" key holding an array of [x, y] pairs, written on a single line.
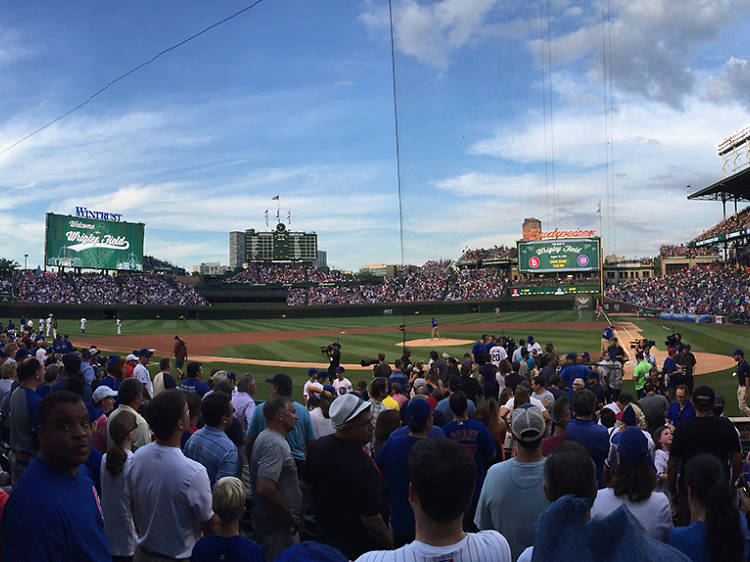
{"points": [[484, 546]]}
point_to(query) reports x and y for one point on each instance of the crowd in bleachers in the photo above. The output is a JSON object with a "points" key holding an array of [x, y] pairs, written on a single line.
{"points": [[487, 254], [682, 251], [97, 288], [434, 281], [733, 223], [476, 284], [720, 289], [270, 273]]}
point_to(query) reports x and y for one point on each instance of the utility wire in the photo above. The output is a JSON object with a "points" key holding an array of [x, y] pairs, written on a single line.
{"points": [[128, 73]]}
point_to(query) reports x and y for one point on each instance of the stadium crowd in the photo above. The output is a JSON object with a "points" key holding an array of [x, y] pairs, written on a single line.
{"points": [[434, 281], [99, 288], [673, 251], [510, 453], [719, 289], [488, 254], [735, 222]]}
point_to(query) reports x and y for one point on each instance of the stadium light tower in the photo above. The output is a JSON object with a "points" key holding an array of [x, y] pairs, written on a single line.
{"points": [[25, 262], [735, 151]]}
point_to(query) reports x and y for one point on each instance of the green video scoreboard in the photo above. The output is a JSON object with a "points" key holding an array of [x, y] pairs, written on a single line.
{"points": [[93, 243], [559, 256]]}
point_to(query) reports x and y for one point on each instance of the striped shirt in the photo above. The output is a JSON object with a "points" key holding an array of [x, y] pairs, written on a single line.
{"points": [[484, 546], [213, 449]]}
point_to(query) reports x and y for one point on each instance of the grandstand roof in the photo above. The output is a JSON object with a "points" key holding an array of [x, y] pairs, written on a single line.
{"points": [[736, 186]]}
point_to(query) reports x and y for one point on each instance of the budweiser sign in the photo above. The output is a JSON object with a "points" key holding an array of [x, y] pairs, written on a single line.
{"points": [[556, 234]]}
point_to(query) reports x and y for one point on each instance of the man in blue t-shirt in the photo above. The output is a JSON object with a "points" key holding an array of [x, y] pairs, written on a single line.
{"points": [[193, 382], [67, 347], [393, 462], [572, 371], [476, 438], [479, 347], [398, 376], [54, 512], [584, 430]]}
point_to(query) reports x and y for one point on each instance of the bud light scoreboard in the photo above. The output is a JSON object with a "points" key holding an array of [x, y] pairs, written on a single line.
{"points": [[563, 256]]}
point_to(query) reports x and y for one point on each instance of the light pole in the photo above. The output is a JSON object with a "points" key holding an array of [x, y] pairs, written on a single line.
{"points": [[25, 262]]}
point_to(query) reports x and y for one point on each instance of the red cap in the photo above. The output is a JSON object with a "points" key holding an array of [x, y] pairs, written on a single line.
{"points": [[671, 350]]}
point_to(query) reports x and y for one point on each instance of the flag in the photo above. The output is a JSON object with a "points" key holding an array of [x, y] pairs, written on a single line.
{"points": [[599, 208], [275, 198]]}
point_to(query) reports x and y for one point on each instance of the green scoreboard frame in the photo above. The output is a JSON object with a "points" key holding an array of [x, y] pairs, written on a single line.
{"points": [[559, 256]]}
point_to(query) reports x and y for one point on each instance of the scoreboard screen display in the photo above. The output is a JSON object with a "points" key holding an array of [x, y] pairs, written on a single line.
{"points": [[563, 256], [281, 245], [552, 291]]}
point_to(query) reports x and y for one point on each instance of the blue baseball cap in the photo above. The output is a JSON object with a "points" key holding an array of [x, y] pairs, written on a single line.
{"points": [[112, 360], [311, 372], [311, 551], [418, 411], [329, 388], [231, 375], [739, 352], [612, 355], [340, 369], [144, 353], [632, 445], [572, 355]]}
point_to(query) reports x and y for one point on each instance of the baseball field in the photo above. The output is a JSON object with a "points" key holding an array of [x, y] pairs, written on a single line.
{"points": [[265, 347]]}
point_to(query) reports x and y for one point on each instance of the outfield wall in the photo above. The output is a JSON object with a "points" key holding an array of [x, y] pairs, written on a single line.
{"points": [[275, 310]]}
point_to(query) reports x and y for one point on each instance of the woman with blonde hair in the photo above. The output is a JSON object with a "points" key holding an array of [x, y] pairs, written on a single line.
{"points": [[227, 544], [116, 500]]}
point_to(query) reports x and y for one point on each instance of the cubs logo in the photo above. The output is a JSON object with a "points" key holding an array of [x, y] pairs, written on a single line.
{"points": [[583, 260], [534, 262]]}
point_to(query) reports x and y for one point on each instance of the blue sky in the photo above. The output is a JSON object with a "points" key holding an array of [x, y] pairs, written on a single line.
{"points": [[294, 98]]}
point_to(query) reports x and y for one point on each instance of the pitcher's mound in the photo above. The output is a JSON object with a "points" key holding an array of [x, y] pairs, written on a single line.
{"points": [[427, 342]]}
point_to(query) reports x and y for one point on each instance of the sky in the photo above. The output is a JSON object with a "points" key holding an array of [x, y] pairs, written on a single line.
{"points": [[506, 110]]}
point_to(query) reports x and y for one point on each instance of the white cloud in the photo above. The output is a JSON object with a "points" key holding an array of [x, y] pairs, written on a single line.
{"points": [[651, 43], [429, 32], [733, 84]]}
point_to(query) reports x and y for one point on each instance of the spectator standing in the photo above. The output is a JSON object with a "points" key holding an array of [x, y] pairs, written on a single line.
{"points": [[343, 484], [584, 430], [210, 445], [444, 407], [193, 382], [571, 371], [399, 377], [611, 371], [243, 401], [227, 544], [104, 402], [72, 365], [633, 485], [130, 396], [116, 501], [705, 433], [86, 369], [311, 388], [131, 361], [115, 372], [277, 508], [171, 494], [299, 437], [654, 407], [441, 481], [54, 512], [672, 372], [663, 442], [717, 531], [539, 386], [682, 408], [561, 418], [163, 380], [743, 381], [512, 496], [475, 437], [393, 462], [24, 406]]}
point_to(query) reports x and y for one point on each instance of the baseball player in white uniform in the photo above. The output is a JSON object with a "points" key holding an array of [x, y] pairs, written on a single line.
{"points": [[119, 326], [83, 325]]}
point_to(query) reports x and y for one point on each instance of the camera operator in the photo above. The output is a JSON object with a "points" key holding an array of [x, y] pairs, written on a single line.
{"points": [[333, 352]]}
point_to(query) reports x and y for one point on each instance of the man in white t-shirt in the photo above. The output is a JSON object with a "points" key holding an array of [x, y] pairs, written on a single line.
{"points": [[83, 325], [341, 383], [442, 477], [497, 354], [171, 494], [243, 401], [534, 346], [140, 372]]}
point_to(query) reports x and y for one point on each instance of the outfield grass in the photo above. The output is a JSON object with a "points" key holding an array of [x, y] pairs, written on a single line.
{"points": [[101, 328]]}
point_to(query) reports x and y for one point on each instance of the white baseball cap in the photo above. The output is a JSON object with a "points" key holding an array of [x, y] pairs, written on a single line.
{"points": [[101, 392], [131, 357], [345, 408]]}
